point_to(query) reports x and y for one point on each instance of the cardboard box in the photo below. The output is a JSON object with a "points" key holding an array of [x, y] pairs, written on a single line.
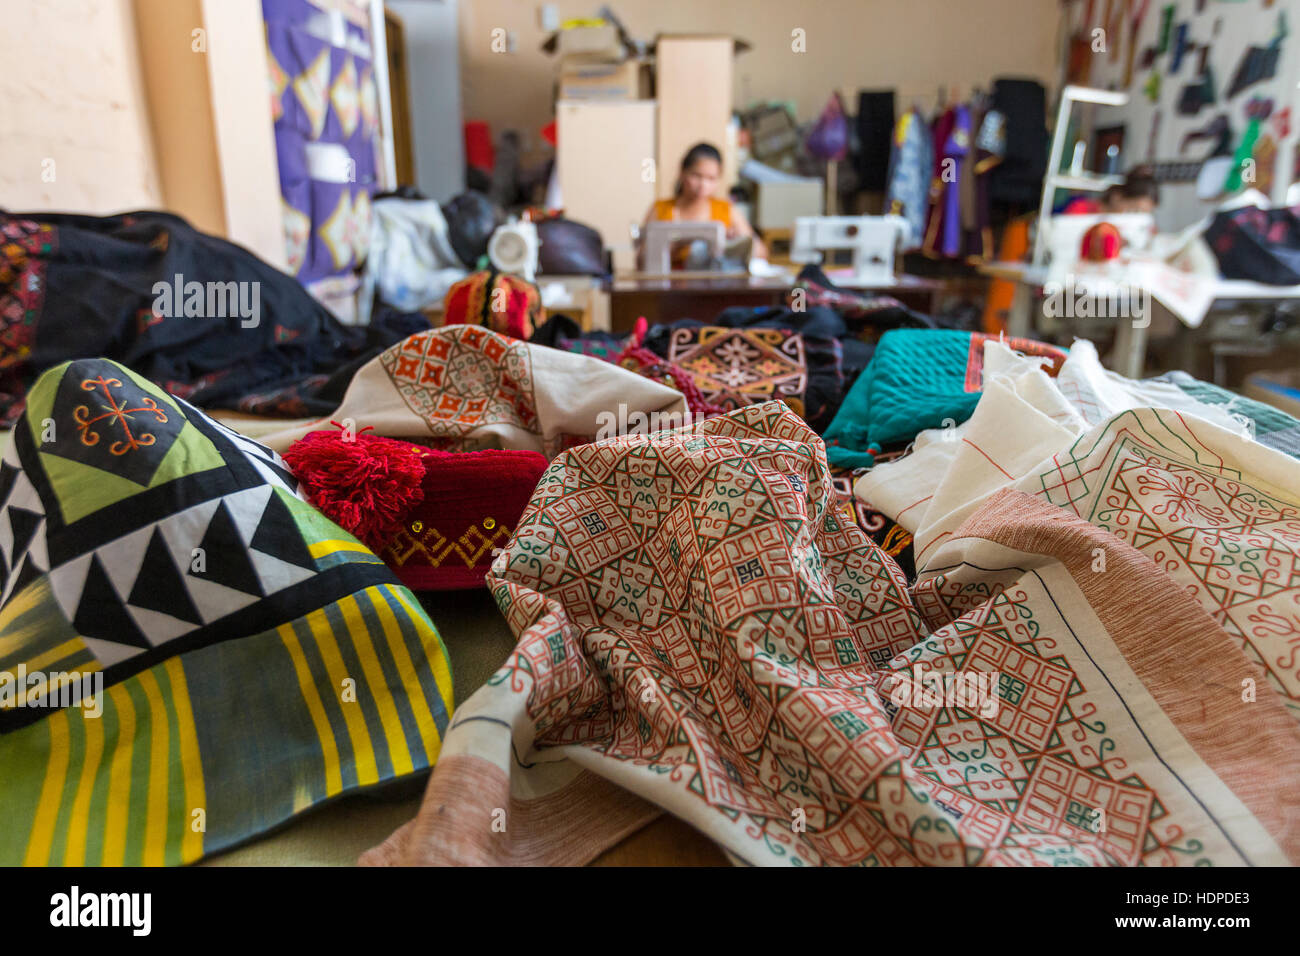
{"points": [[773, 136], [598, 40], [590, 78], [1281, 389], [604, 147], [693, 82], [780, 204]]}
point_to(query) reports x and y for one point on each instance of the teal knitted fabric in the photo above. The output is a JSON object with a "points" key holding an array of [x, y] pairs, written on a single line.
{"points": [[916, 380], [846, 436]]}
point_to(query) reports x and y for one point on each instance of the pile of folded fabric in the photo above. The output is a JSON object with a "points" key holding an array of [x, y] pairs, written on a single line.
{"points": [[827, 582], [715, 621]]}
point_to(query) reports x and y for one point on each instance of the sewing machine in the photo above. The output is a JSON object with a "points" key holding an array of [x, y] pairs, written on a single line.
{"points": [[661, 237], [514, 248], [1063, 239], [872, 239]]}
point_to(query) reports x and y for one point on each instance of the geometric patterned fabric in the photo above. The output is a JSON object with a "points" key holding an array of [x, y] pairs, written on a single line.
{"points": [[699, 625], [738, 367], [181, 632], [323, 94], [1217, 513]]}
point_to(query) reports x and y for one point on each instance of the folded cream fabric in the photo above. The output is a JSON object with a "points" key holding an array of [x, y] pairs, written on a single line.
{"points": [[1005, 437], [1023, 418], [464, 387]]}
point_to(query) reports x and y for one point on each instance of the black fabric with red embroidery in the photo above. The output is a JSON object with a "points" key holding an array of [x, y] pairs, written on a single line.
{"points": [[76, 286]]}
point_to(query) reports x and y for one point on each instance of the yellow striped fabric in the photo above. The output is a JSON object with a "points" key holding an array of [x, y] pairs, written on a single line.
{"points": [[130, 785]]}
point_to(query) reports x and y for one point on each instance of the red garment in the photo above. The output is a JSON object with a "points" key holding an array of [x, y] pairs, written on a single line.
{"points": [[942, 130], [473, 501], [1083, 206], [479, 151]]}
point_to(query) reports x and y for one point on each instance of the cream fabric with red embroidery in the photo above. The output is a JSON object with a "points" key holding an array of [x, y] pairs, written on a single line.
{"points": [[464, 387]]}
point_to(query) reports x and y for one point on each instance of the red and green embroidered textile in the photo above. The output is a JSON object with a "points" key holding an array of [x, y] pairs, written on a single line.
{"points": [[702, 632]]}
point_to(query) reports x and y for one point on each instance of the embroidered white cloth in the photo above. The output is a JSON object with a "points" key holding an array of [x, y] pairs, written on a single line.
{"points": [[1023, 418], [464, 387]]}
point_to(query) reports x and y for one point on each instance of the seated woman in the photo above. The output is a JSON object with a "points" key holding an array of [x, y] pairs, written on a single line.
{"points": [[1140, 192], [693, 201]]}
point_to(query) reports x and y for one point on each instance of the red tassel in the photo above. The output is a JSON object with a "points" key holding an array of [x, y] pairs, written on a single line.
{"points": [[366, 485]]}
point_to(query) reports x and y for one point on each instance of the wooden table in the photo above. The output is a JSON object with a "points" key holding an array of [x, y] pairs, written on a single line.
{"points": [[702, 295]]}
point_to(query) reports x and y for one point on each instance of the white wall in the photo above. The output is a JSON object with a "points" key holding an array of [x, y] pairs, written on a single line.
{"points": [[74, 128], [433, 58]]}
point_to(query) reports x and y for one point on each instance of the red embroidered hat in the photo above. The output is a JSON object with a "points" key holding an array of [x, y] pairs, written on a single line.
{"points": [[434, 517], [472, 504], [501, 302]]}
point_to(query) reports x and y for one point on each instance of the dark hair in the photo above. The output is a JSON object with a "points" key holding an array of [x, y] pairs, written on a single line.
{"points": [[1140, 183], [694, 155]]}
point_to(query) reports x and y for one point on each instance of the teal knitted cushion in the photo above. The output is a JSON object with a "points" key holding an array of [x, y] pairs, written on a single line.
{"points": [[919, 382]]}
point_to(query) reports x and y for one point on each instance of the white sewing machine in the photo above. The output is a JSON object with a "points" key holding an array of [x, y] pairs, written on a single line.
{"points": [[661, 238], [872, 239], [514, 248]]}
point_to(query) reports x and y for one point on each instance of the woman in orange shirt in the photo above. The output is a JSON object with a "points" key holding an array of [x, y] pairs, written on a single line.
{"points": [[693, 199]]}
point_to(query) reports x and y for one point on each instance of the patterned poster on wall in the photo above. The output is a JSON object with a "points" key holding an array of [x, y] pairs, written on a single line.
{"points": [[323, 95], [1201, 72]]}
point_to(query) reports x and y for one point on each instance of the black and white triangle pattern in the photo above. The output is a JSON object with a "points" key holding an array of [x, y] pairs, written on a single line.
{"points": [[185, 572], [268, 464], [23, 556]]}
